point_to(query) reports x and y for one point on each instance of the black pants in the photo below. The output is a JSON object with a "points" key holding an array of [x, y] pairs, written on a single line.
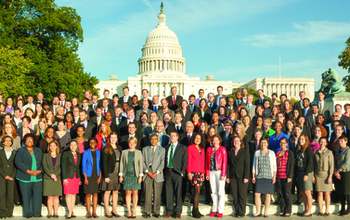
{"points": [[284, 189], [185, 183], [239, 195], [32, 194], [295, 184], [173, 187], [6, 197]]}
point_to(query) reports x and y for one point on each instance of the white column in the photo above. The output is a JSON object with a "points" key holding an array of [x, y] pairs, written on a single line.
{"points": [[166, 89], [165, 65], [184, 67]]}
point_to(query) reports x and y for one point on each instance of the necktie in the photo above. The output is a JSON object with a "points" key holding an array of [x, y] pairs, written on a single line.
{"points": [[321, 107], [248, 106], [62, 103], [104, 112], [98, 121], [155, 109], [261, 101], [173, 100], [211, 105], [188, 138], [152, 155], [178, 128], [191, 107], [171, 157]]}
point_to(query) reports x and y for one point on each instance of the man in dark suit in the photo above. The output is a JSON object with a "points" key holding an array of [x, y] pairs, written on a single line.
{"points": [[283, 97], [211, 102], [75, 112], [55, 104], [153, 167], [163, 138], [311, 119], [306, 110], [132, 132], [106, 96], [126, 98], [230, 104], [220, 90], [324, 107], [299, 104], [90, 111], [144, 109], [174, 100], [238, 100], [145, 97], [191, 105], [123, 127], [98, 118], [178, 126], [135, 100], [40, 98], [155, 104], [261, 99], [94, 102], [175, 171], [90, 128], [106, 108]]}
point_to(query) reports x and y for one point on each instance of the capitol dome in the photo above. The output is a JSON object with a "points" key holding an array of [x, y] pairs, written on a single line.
{"points": [[162, 52]]}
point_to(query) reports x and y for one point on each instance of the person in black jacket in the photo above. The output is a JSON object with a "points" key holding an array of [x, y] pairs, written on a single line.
{"points": [[70, 167], [7, 177], [238, 167], [285, 169]]}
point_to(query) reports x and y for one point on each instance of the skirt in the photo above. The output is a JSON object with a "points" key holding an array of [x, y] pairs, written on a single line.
{"points": [[113, 183], [264, 186], [73, 186], [304, 185], [322, 182], [197, 179]]}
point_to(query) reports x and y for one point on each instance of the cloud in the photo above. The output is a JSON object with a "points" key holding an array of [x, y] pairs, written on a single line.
{"points": [[310, 32]]}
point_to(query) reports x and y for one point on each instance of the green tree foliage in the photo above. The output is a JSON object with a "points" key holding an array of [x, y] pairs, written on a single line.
{"points": [[345, 64], [49, 36], [13, 70]]}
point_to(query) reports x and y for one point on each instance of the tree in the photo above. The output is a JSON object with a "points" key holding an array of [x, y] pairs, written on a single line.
{"points": [[345, 64], [49, 36], [13, 70]]}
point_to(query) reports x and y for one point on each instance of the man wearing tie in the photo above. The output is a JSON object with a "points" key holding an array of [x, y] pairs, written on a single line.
{"points": [[105, 109], [144, 97], [85, 105], [144, 109], [55, 104], [40, 98], [324, 107], [250, 107], [299, 104], [62, 98], [126, 98], [106, 95], [76, 111], [118, 116], [123, 127], [211, 102], [98, 118], [153, 165], [174, 100], [94, 102], [151, 128], [220, 90], [175, 171], [311, 119], [261, 99], [178, 125], [155, 104], [245, 95], [90, 128], [163, 138], [306, 109], [238, 100]]}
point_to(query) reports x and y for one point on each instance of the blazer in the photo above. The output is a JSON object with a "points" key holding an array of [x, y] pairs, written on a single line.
{"points": [[100, 142], [94, 120], [309, 112], [68, 167], [343, 160], [140, 103], [220, 160], [257, 102], [165, 139], [7, 166], [178, 101], [196, 161], [138, 163], [251, 110], [216, 98], [23, 162], [90, 131], [123, 128], [49, 168], [187, 116], [290, 164], [19, 132], [87, 162], [309, 160], [309, 121], [252, 149], [213, 107], [195, 108], [109, 161], [207, 116], [298, 105], [238, 166], [124, 141], [160, 113], [179, 159], [275, 145], [324, 161], [326, 111], [121, 101], [172, 127], [183, 139], [157, 165]]}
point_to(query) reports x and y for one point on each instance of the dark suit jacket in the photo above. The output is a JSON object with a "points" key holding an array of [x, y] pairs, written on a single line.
{"points": [[7, 166], [172, 127], [68, 166], [121, 101], [23, 162], [309, 112], [195, 108], [90, 131], [178, 101], [140, 103], [298, 105], [216, 98], [238, 167], [123, 128], [94, 120], [213, 107], [310, 121], [236, 103], [186, 117], [19, 132], [183, 139], [110, 102], [207, 116], [109, 109], [91, 113], [257, 102], [124, 141], [179, 159], [109, 161]]}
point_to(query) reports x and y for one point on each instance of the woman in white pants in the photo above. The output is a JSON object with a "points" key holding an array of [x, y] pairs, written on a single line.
{"points": [[215, 168]]}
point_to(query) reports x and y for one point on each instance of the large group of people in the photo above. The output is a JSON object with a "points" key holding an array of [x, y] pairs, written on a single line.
{"points": [[90, 150]]}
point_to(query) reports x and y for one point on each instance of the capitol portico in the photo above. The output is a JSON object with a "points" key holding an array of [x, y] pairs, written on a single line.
{"points": [[162, 66]]}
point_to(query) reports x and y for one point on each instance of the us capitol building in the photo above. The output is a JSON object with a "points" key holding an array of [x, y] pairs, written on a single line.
{"points": [[162, 66]]}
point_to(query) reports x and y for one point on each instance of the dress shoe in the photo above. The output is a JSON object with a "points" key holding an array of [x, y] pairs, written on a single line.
{"points": [[147, 216], [177, 216], [167, 216], [156, 215]]}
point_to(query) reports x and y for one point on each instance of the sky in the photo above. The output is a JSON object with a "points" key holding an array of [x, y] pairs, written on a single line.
{"points": [[236, 40]]}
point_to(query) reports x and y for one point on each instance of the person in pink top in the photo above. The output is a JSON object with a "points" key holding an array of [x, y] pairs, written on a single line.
{"points": [[215, 171], [318, 131], [196, 168]]}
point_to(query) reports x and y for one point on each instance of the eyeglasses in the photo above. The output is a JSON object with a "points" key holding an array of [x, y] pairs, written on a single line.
{"points": [[333, 116]]}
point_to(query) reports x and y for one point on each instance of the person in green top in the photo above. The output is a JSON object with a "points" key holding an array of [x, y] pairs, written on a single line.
{"points": [[267, 131]]}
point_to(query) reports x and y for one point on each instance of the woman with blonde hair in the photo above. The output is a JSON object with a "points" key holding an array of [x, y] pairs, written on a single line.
{"points": [[288, 109], [50, 118], [103, 135], [40, 130], [239, 131]]}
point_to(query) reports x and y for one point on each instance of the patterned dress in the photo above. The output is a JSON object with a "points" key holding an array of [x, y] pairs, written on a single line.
{"points": [[130, 180]]}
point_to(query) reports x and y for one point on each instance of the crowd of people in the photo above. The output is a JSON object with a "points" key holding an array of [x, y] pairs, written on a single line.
{"points": [[160, 149]]}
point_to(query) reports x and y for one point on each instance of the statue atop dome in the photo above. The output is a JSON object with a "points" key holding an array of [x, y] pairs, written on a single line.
{"points": [[161, 8]]}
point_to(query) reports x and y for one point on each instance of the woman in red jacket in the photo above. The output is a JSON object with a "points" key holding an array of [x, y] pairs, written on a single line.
{"points": [[103, 135], [196, 168], [215, 169]]}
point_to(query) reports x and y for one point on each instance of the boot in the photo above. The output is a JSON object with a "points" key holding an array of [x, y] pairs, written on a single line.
{"points": [[200, 213], [195, 213]]}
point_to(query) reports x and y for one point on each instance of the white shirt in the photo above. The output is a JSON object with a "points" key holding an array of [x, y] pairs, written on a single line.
{"points": [[126, 98]]}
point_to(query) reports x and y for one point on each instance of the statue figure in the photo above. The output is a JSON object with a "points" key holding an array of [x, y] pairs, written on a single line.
{"points": [[161, 6], [331, 83]]}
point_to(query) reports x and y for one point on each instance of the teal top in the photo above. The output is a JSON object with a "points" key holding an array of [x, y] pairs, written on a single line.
{"points": [[270, 133], [33, 179]]}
